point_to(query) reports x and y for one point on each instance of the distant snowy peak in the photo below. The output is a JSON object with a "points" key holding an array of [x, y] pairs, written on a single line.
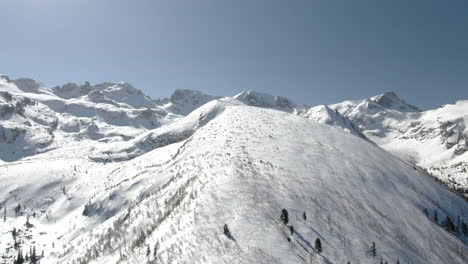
{"points": [[120, 92], [258, 99], [325, 115], [24, 85], [436, 140], [391, 101], [34, 118], [4, 78], [388, 102], [184, 101]]}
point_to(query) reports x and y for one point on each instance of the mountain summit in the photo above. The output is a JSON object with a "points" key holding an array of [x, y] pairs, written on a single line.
{"points": [[391, 101]]}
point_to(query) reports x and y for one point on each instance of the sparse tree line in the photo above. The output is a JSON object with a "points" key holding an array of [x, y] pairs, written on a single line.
{"points": [[284, 217], [30, 256], [115, 238], [458, 227], [19, 211]]}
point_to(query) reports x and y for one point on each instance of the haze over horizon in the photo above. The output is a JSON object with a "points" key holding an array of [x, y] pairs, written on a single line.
{"points": [[313, 52]]}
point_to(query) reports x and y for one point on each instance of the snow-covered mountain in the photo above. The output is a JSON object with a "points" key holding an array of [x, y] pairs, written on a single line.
{"points": [[436, 140], [183, 102], [104, 174], [34, 118], [322, 114]]}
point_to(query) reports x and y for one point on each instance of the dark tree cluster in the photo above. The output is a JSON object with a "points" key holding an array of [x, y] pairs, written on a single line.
{"points": [[30, 257], [318, 245], [458, 228], [226, 231], [373, 250], [284, 216], [18, 211]]}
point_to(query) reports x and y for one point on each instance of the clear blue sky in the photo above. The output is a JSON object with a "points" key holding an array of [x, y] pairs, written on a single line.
{"points": [[312, 51]]}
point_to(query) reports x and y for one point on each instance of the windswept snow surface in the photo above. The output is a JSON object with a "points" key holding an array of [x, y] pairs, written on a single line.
{"points": [[241, 168]]}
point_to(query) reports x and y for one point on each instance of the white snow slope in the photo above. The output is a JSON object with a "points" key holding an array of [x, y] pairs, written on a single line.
{"points": [[169, 191]]}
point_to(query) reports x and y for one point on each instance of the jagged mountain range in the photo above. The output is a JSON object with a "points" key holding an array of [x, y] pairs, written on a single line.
{"points": [[104, 174]]}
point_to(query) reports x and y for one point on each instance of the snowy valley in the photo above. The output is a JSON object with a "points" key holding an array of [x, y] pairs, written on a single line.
{"points": [[105, 174]]}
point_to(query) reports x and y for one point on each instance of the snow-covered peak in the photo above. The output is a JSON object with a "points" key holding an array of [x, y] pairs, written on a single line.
{"points": [[264, 100], [72, 90], [31, 86], [34, 118], [4, 78], [119, 92], [184, 101], [325, 115], [391, 101], [436, 140], [166, 135]]}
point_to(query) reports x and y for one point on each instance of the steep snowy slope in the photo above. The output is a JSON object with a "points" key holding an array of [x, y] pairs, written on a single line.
{"points": [[436, 140], [240, 167]]}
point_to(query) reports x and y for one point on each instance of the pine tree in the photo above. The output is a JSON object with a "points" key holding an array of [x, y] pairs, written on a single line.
{"points": [[284, 216], [318, 245], [291, 228], [4, 212], [14, 233], [85, 210], [448, 223], [373, 250], [436, 217], [426, 212], [398, 261], [33, 255], [155, 250], [464, 228], [28, 224], [17, 210], [304, 216], [19, 259], [148, 252], [226, 230]]}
